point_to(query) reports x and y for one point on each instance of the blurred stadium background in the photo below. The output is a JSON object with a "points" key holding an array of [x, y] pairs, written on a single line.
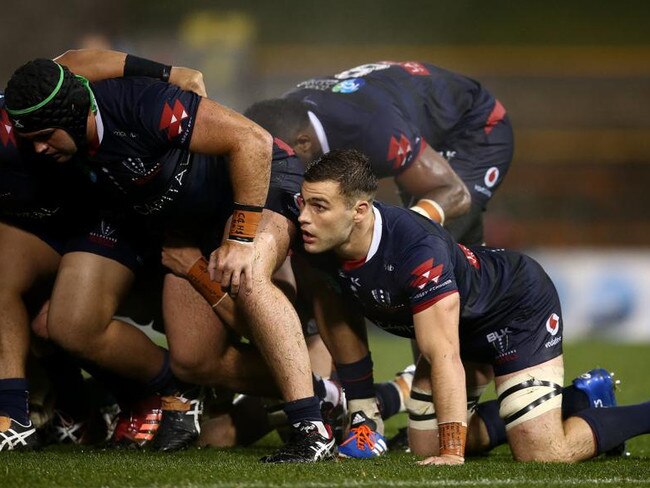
{"points": [[574, 77]]}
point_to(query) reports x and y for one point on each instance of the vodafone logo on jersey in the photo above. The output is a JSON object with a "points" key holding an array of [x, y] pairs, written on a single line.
{"points": [[491, 176], [6, 130], [398, 151], [171, 119], [426, 273], [553, 324]]}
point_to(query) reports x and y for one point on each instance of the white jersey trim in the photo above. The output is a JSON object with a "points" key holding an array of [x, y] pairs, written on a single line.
{"points": [[320, 132]]}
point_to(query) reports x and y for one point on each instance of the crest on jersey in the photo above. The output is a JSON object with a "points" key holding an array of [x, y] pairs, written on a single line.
{"points": [[426, 273], [171, 119], [491, 176], [553, 324], [399, 151], [382, 297], [6, 130]]}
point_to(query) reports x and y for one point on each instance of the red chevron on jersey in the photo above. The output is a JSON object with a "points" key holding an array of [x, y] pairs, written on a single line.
{"points": [[471, 257], [426, 273], [414, 68], [6, 130], [171, 119], [398, 151], [284, 146]]}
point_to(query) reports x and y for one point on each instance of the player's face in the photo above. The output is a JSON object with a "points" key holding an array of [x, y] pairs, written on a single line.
{"points": [[54, 143], [325, 220]]}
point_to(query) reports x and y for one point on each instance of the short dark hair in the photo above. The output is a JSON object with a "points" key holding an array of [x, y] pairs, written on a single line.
{"points": [[350, 168], [282, 117]]}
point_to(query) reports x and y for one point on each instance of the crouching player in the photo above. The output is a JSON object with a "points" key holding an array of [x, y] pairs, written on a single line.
{"points": [[478, 314]]}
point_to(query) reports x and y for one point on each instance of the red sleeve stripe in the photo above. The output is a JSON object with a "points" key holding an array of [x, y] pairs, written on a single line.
{"points": [[496, 116], [419, 307]]}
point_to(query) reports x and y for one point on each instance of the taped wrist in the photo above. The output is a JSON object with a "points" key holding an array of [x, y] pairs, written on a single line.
{"points": [[452, 437], [245, 220], [199, 278], [137, 66], [430, 209]]}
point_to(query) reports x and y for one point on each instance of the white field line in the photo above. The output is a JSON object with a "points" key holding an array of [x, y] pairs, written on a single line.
{"points": [[427, 483]]}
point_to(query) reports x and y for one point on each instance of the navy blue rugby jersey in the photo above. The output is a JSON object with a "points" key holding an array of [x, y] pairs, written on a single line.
{"points": [[413, 263], [142, 152], [391, 110]]}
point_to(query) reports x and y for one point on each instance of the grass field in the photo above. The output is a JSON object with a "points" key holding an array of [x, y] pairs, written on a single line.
{"points": [[68, 466]]}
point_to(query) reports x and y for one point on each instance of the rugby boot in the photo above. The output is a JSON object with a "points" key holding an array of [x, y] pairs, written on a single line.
{"points": [[63, 429], [363, 441], [16, 436], [180, 424], [306, 445], [137, 425], [599, 386]]}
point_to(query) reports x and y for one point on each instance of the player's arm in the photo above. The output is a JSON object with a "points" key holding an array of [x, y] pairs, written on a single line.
{"points": [[436, 332], [100, 64], [439, 192], [221, 131]]}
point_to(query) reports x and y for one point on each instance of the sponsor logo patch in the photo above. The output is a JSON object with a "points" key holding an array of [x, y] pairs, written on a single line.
{"points": [[171, 119], [6, 130], [553, 324], [426, 273], [348, 86], [399, 151], [491, 176]]}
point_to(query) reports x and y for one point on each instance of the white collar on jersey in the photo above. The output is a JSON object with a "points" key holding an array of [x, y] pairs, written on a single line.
{"points": [[376, 234], [320, 132], [100, 125]]}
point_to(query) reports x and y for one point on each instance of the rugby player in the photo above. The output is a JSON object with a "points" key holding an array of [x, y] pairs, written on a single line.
{"points": [[478, 314], [445, 140], [169, 155], [40, 220]]}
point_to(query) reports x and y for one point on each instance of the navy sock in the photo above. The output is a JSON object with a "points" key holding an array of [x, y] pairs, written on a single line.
{"points": [[614, 425], [64, 372], [388, 398], [303, 409], [357, 379], [14, 399], [489, 413], [164, 382], [573, 401]]}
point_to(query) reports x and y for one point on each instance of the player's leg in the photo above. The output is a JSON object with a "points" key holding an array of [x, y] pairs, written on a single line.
{"points": [[24, 260], [86, 294], [422, 423], [531, 407]]}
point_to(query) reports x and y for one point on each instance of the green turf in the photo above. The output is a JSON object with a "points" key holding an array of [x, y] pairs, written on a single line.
{"points": [[72, 466]]}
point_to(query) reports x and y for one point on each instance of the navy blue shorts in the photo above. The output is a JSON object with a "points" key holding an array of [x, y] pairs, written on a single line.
{"points": [[530, 334], [481, 159]]}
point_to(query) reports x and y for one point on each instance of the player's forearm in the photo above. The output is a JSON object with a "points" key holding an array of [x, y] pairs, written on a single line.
{"points": [[94, 64], [448, 387], [250, 167]]}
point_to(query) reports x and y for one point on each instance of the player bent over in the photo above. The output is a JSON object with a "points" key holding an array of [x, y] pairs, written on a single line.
{"points": [[472, 311]]}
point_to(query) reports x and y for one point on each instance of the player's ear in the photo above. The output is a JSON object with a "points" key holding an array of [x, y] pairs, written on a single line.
{"points": [[362, 208]]}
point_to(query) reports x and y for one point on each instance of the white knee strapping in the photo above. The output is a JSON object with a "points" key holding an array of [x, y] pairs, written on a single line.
{"points": [[529, 395], [422, 414]]}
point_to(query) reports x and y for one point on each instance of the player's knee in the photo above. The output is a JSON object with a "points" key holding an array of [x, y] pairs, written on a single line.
{"points": [[193, 368]]}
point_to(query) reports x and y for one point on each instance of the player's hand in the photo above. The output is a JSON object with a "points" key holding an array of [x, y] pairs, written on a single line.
{"points": [[179, 259], [232, 266], [188, 79], [446, 459]]}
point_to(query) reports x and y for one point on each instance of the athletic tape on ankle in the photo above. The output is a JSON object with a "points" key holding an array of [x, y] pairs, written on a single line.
{"points": [[529, 395], [199, 278]]}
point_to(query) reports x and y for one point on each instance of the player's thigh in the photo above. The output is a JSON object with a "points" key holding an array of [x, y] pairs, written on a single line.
{"points": [[272, 242], [24, 258], [194, 332], [531, 407], [87, 292]]}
